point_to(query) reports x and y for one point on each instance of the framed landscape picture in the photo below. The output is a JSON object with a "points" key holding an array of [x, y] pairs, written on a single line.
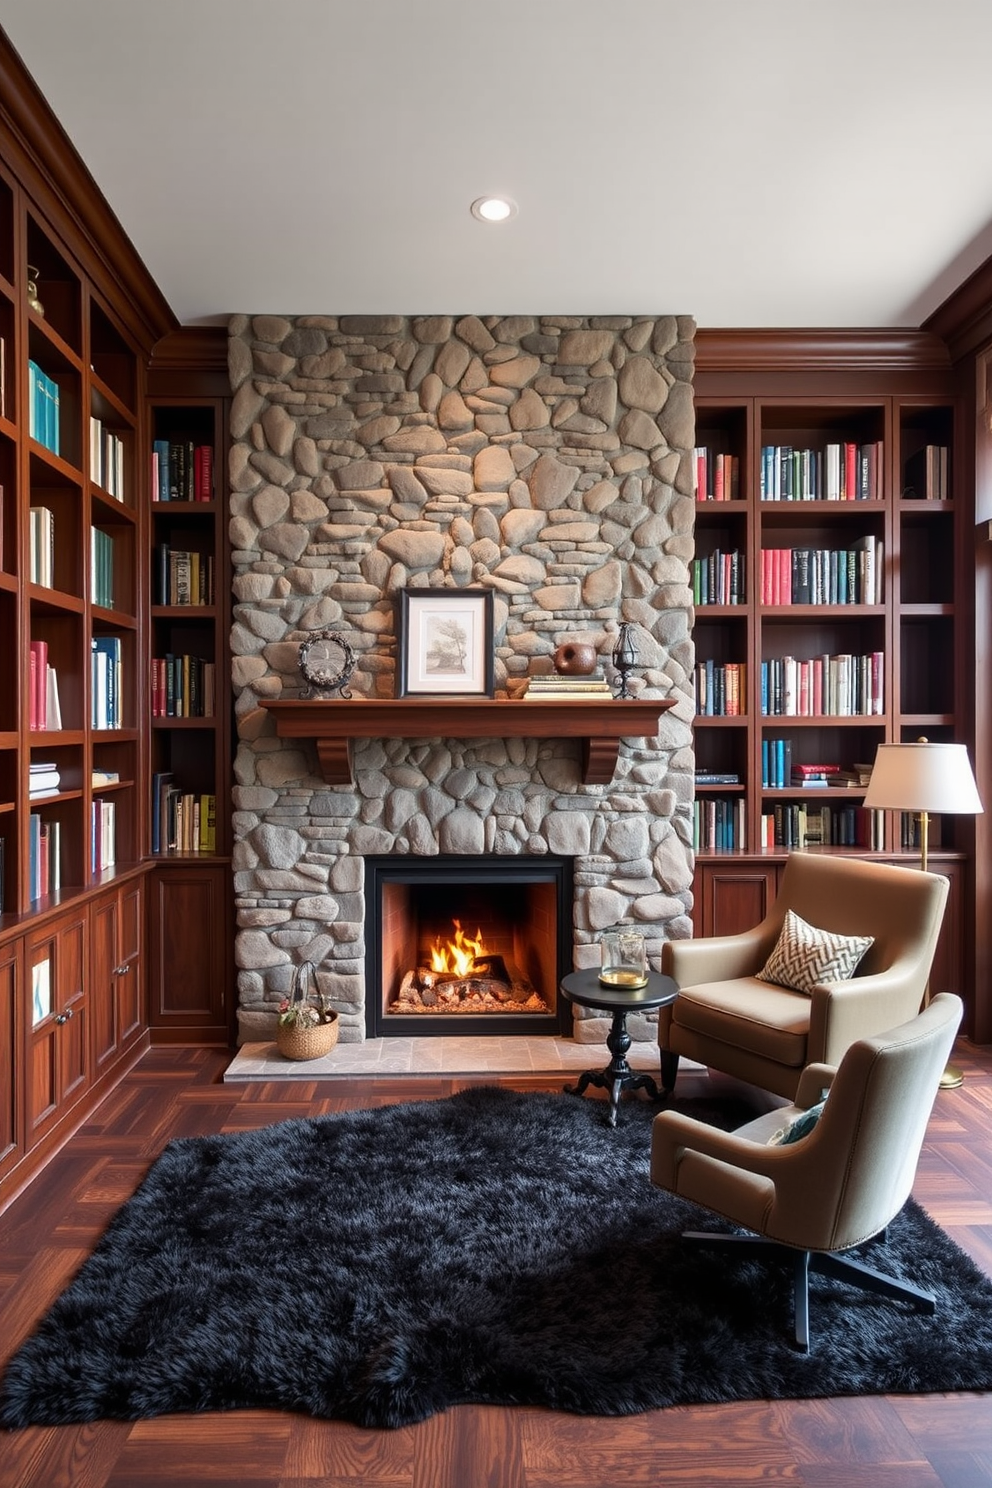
{"points": [[445, 643]]}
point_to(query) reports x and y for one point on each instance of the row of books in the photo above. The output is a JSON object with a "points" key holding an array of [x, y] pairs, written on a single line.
{"points": [[823, 575], [718, 825], [927, 474], [106, 459], [841, 686], [44, 856], [838, 472], [718, 579], [716, 476], [44, 710], [720, 690], [41, 546], [780, 772], [107, 690], [796, 824], [182, 821], [183, 577], [43, 408], [182, 470], [551, 685], [101, 568], [183, 687]]}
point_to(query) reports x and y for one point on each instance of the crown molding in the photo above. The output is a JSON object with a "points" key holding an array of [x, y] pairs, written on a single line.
{"points": [[791, 350], [54, 177], [201, 347], [964, 320]]}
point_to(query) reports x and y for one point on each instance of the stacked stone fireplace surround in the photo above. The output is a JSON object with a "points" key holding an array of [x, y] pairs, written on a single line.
{"points": [[545, 457]]}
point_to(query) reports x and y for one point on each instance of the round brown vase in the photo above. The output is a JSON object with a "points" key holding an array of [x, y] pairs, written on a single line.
{"points": [[575, 659]]}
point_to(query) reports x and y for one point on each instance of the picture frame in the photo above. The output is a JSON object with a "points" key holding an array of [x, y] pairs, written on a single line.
{"points": [[445, 643]]}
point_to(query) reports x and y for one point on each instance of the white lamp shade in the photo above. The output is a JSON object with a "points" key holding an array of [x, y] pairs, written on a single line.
{"points": [[923, 777]]}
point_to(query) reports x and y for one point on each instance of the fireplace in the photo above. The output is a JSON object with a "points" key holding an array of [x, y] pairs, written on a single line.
{"points": [[467, 945]]}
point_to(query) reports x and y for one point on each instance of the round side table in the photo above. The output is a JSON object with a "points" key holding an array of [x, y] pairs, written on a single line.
{"points": [[585, 988]]}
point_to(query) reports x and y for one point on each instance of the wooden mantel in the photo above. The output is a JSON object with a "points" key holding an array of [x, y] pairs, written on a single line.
{"points": [[600, 725]]}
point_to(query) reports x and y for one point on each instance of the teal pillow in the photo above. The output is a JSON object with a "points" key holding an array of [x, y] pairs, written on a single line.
{"points": [[799, 1127]]}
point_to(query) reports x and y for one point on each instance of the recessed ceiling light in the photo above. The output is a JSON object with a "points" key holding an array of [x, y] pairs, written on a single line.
{"points": [[494, 208]]}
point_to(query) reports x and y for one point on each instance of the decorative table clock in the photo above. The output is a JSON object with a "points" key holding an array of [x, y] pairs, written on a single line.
{"points": [[326, 663]]}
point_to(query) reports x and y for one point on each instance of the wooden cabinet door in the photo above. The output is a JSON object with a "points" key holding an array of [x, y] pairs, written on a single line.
{"points": [[733, 896], [59, 1066], [11, 1058], [189, 951], [131, 962], [103, 982], [117, 1004]]}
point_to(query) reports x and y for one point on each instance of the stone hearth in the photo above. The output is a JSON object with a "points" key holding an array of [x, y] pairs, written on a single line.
{"points": [[547, 458]]}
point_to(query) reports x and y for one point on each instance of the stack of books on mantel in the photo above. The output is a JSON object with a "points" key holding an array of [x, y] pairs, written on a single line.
{"points": [[551, 686]]}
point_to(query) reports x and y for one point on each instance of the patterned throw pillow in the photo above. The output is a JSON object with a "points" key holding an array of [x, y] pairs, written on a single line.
{"points": [[804, 956]]}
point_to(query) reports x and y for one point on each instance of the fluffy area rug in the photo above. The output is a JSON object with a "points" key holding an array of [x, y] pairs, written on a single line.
{"points": [[382, 1265]]}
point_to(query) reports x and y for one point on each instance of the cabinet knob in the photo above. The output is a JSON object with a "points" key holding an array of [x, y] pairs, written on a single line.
{"points": [[64, 1017]]}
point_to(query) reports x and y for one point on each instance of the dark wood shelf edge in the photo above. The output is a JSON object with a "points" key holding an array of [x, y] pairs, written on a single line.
{"points": [[599, 725]]}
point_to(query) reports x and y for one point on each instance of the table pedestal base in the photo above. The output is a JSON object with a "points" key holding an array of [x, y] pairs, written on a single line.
{"points": [[618, 1075]]}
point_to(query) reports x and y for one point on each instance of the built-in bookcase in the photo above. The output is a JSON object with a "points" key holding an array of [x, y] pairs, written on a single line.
{"points": [[187, 664], [70, 535], [838, 516]]}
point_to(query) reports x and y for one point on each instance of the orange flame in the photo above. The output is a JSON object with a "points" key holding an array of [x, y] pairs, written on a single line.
{"points": [[459, 954]]}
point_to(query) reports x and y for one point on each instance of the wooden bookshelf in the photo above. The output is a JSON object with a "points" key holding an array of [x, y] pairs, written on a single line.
{"points": [[189, 740], [78, 318], [891, 402]]}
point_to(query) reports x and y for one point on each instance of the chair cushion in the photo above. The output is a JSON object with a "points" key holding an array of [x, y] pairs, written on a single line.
{"points": [[744, 1013], [804, 956]]}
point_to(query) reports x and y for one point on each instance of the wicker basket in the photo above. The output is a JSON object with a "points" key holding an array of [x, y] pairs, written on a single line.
{"points": [[296, 1042]]}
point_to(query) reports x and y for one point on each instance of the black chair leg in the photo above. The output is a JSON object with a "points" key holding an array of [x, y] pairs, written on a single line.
{"points": [[669, 1070], [825, 1263], [856, 1273], [801, 1300]]}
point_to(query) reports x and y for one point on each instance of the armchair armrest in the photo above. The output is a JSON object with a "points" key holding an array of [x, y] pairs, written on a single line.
{"points": [[718, 958], [843, 1012], [673, 1135], [814, 1080]]}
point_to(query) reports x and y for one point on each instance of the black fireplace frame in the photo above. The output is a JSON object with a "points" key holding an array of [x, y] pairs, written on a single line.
{"points": [[480, 870]]}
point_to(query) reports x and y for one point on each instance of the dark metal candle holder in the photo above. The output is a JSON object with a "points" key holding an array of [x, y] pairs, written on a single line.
{"points": [[625, 656]]}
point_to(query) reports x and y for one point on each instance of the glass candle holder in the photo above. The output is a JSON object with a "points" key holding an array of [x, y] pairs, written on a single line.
{"points": [[623, 958]]}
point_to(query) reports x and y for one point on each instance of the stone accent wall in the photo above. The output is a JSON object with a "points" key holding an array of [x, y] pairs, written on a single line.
{"points": [[548, 458]]}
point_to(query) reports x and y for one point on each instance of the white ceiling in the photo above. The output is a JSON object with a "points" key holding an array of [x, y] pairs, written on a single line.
{"points": [[749, 162]]}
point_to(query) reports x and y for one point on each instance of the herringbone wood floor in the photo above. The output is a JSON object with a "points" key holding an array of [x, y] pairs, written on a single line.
{"points": [[880, 1442]]}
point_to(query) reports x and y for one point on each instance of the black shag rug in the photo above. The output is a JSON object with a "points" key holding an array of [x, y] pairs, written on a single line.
{"points": [[382, 1265]]}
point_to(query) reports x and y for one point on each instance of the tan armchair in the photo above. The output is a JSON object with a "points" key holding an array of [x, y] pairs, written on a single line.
{"points": [[727, 1019], [836, 1187]]}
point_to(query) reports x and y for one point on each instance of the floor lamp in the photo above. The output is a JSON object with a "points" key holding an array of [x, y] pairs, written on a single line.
{"points": [[929, 779]]}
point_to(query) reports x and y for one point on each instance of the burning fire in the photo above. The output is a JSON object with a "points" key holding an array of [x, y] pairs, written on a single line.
{"points": [[457, 955]]}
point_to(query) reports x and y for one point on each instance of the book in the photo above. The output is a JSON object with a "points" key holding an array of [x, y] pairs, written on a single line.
{"points": [[207, 840], [53, 705], [41, 537], [105, 777], [161, 784], [926, 474], [38, 686], [107, 711]]}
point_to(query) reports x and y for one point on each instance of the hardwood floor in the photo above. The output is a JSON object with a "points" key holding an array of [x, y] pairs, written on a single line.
{"points": [[876, 1442]]}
